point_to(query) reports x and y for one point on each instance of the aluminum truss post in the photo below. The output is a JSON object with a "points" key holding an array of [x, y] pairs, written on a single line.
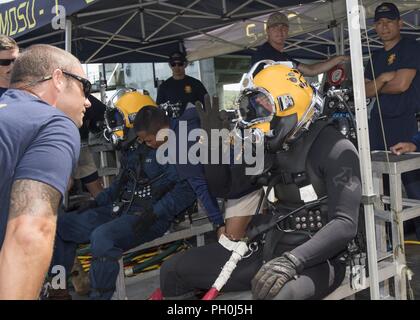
{"points": [[353, 18], [68, 35]]}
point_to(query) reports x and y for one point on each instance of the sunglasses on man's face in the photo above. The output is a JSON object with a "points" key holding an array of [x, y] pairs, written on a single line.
{"points": [[177, 64], [87, 86], [6, 62]]}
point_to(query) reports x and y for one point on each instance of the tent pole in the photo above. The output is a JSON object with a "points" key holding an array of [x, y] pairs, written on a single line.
{"points": [[155, 79], [336, 40], [102, 82], [171, 20], [224, 7], [112, 37], [118, 8], [139, 50], [201, 32], [41, 37], [68, 35], [117, 37], [142, 26], [353, 18], [334, 29]]}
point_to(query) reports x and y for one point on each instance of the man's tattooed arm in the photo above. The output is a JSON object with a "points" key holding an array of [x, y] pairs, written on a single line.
{"points": [[28, 244], [33, 198]]}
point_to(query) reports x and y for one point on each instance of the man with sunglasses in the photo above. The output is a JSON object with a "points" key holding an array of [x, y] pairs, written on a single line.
{"points": [[9, 51], [180, 89], [39, 147]]}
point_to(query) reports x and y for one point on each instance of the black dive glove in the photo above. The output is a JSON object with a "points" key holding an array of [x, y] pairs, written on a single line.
{"points": [[147, 219], [210, 116], [218, 176], [273, 275], [88, 204]]}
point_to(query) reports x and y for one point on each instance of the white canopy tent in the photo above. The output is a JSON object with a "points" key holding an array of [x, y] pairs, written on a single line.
{"points": [[313, 28]]}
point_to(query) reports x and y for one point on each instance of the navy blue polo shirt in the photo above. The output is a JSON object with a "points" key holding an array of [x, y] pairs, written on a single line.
{"points": [[2, 90], [416, 141], [37, 142], [267, 52], [185, 90], [398, 110]]}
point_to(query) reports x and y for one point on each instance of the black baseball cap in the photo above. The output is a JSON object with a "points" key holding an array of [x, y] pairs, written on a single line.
{"points": [[177, 56], [387, 10]]}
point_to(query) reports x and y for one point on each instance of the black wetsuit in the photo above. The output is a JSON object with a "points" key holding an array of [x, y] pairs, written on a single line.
{"points": [[334, 161], [2, 90]]}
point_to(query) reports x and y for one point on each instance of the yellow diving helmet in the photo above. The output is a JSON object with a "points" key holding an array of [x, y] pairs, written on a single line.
{"points": [[278, 101], [121, 111]]}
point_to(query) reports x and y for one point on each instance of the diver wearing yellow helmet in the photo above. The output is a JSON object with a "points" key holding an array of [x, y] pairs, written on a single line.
{"points": [[121, 112], [315, 174], [278, 102]]}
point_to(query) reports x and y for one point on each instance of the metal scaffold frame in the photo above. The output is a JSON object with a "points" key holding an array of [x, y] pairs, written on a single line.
{"points": [[353, 18], [378, 241]]}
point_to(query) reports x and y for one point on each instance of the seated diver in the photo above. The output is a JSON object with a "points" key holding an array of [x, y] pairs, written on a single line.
{"points": [[312, 164], [153, 120], [138, 207], [150, 121]]}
